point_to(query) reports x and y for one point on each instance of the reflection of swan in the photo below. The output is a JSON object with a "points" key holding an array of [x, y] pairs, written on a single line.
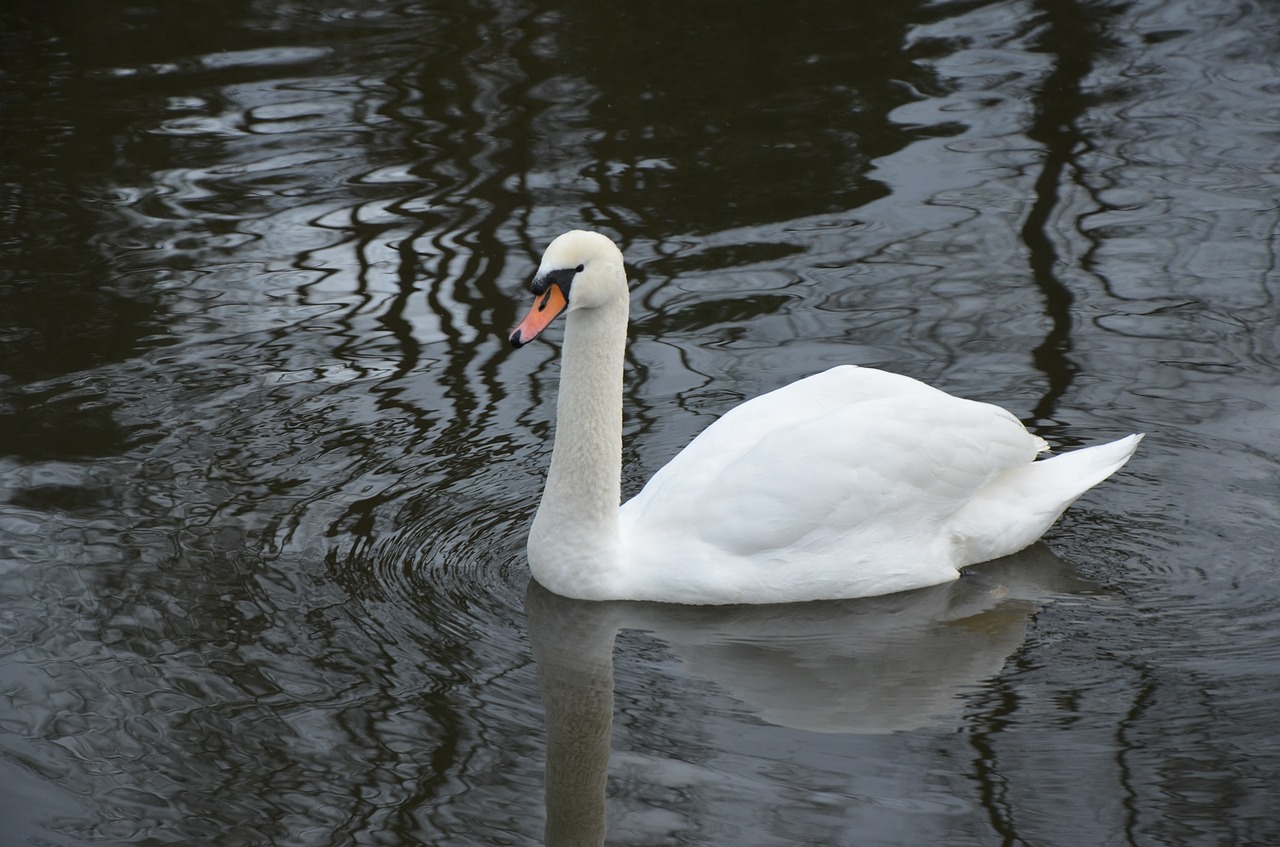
{"points": [[871, 665], [850, 483], [573, 648]]}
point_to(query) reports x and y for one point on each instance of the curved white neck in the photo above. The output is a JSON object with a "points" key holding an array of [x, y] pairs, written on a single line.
{"points": [[573, 543]]}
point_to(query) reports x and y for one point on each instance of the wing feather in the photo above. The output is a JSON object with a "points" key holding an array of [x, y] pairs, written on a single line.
{"points": [[813, 464]]}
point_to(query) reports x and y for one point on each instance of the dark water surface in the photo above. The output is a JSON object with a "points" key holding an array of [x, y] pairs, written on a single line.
{"points": [[266, 461]]}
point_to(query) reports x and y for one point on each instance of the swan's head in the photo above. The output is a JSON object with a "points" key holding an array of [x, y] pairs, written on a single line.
{"points": [[579, 270]]}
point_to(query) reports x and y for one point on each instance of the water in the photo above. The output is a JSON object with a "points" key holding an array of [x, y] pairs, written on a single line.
{"points": [[266, 460]]}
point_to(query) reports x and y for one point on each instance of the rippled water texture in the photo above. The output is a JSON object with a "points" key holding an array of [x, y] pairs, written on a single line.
{"points": [[266, 461]]}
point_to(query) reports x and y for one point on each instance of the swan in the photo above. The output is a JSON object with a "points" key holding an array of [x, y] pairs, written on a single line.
{"points": [[853, 482]]}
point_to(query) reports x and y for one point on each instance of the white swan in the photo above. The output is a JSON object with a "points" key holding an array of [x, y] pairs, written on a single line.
{"points": [[850, 483]]}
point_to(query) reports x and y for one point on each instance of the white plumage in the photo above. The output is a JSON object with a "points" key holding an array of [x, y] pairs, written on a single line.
{"points": [[850, 483]]}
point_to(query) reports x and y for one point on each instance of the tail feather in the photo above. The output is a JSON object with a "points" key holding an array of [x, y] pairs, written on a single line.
{"points": [[1018, 506]]}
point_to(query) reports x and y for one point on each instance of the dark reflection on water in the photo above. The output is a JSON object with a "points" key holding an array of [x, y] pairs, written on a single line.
{"points": [[266, 462]]}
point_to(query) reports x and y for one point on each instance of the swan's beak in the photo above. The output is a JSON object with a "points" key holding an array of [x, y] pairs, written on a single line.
{"points": [[548, 304]]}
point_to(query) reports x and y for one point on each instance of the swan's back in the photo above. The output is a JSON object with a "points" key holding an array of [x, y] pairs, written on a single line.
{"points": [[849, 483]]}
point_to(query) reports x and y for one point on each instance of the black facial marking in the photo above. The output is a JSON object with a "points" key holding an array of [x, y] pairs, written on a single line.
{"points": [[562, 277]]}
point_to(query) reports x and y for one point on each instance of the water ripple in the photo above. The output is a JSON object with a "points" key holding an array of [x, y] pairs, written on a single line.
{"points": [[267, 463]]}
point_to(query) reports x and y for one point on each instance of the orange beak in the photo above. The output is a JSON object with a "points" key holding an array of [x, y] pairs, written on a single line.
{"points": [[545, 308]]}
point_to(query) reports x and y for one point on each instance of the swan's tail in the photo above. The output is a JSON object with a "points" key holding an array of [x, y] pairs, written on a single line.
{"points": [[1019, 505]]}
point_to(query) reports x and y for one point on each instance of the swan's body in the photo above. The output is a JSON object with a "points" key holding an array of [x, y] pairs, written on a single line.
{"points": [[850, 483]]}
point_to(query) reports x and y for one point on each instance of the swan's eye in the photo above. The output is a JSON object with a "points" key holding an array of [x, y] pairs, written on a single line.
{"points": [[579, 269]]}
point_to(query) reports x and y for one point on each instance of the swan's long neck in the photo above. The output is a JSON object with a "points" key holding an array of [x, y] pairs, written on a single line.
{"points": [[574, 539]]}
